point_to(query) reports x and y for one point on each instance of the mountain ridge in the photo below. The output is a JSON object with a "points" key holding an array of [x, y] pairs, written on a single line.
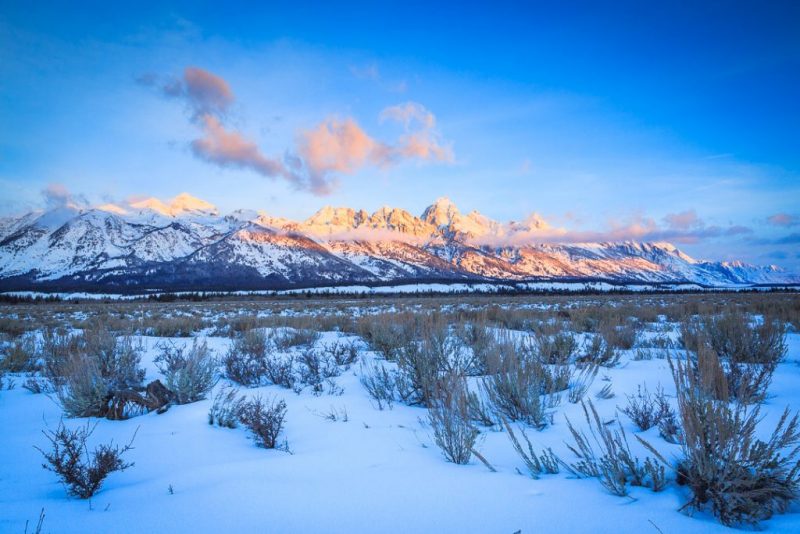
{"points": [[151, 244]]}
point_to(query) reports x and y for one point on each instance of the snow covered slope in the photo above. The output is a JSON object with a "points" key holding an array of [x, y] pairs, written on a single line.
{"points": [[187, 244]]}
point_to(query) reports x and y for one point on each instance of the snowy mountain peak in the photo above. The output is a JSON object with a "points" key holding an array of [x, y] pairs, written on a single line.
{"points": [[440, 213], [183, 204]]}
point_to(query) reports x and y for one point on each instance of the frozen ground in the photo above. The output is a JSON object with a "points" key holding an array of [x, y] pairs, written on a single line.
{"points": [[379, 471]]}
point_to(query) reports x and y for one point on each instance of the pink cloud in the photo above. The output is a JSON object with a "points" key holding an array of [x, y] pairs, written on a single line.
{"points": [[230, 149], [340, 145], [335, 146], [783, 219], [409, 113], [683, 220], [203, 92], [637, 228]]}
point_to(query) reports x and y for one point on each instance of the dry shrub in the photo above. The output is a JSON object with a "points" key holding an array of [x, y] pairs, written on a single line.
{"points": [[117, 359], [387, 334], [342, 354], [20, 356], [518, 384], [189, 372], [264, 419], [744, 357], [646, 410], [180, 326], [13, 327], [536, 463], [559, 348], [618, 333], [226, 409], [615, 465], [581, 381], [599, 351], [448, 416], [481, 342], [83, 391], [87, 370], [246, 361], [292, 337], [742, 479], [80, 471], [315, 368], [379, 383]]}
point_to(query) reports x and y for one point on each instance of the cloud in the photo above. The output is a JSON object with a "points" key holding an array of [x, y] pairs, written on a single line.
{"points": [[681, 228], [408, 114], [335, 146], [783, 219], [340, 145], [230, 149], [683, 220], [58, 196], [203, 92], [421, 140]]}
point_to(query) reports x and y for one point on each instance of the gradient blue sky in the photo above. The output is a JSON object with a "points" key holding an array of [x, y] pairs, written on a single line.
{"points": [[679, 120]]}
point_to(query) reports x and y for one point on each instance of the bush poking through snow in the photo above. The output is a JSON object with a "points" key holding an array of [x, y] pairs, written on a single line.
{"points": [[80, 471], [537, 464], [291, 337], [87, 370], [518, 384], [264, 419], [606, 392], [742, 479], [226, 409], [647, 411], [189, 372], [748, 352], [419, 367], [559, 348], [83, 392], [245, 362], [448, 416], [581, 382], [316, 368], [379, 383], [117, 359], [480, 341], [386, 334], [20, 356], [600, 352], [342, 354], [615, 466]]}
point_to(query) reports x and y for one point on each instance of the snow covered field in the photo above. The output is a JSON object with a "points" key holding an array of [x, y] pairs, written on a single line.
{"points": [[369, 470]]}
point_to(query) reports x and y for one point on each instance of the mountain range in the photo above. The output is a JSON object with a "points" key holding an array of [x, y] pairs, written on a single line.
{"points": [[186, 244]]}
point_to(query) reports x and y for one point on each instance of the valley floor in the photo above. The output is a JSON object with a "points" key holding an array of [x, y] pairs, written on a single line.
{"points": [[376, 471]]}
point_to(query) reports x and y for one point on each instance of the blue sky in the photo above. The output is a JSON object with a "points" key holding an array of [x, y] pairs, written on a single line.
{"points": [[679, 121]]}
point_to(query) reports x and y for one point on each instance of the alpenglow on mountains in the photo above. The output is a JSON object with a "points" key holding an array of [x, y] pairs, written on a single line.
{"points": [[187, 245]]}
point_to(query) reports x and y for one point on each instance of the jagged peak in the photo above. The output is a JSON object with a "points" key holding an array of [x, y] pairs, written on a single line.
{"points": [[441, 212]]}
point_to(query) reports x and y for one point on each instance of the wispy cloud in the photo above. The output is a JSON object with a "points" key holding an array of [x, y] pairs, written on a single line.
{"points": [[228, 148], [682, 228]]}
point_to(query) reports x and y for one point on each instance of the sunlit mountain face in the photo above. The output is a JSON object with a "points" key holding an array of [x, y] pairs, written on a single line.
{"points": [[186, 244]]}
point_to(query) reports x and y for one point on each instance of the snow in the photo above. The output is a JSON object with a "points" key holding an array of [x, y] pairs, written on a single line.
{"points": [[377, 472]]}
